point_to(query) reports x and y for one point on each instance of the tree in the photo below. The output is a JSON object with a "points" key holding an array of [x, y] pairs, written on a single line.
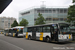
{"points": [[14, 24], [24, 22], [40, 20], [71, 14], [73, 1]]}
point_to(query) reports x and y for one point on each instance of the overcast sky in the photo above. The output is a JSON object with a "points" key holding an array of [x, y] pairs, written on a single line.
{"points": [[18, 5]]}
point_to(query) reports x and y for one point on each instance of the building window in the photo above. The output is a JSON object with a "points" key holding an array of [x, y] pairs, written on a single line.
{"points": [[35, 19], [61, 10], [42, 11], [61, 19], [25, 13], [65, 19], [54, 10], [46, 11], [55, 19], [50, 11], [58, 11], [38, 11], [65, 10], [48, 19], [8, 24]]}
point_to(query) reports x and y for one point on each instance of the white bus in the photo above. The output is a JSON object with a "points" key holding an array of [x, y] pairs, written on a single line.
{"points": [[58, 32], [15, 31], [1, 31], [6, 32], [12, 32], [18, 31]]}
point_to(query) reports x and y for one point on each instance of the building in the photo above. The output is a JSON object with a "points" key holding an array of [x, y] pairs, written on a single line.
{"points": [[51, 15], [6, 22]]}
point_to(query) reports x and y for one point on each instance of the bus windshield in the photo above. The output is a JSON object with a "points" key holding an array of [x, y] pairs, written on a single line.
{"points": [[6, 31], [20, 31], [64, 28]]}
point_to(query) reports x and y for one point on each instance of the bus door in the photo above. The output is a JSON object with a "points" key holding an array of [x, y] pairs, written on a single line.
{"points": [[54, 32], [34, 33], [14, 32], [11, 32]]}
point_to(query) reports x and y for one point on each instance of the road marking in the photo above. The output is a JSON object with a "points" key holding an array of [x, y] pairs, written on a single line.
{"points": [[11, 44]]}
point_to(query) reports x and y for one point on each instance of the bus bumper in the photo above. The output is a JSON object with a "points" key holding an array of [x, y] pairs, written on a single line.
{"points": [[20, 35]]}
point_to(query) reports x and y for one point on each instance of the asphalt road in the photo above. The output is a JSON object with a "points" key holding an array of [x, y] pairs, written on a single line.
{"points": [[13, 43]]}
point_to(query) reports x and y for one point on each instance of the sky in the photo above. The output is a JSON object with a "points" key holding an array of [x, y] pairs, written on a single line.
{"points": [[19, 5]]}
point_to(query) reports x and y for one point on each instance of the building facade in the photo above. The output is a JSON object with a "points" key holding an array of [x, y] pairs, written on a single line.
{"points": [[51, 15], [6, 22]]}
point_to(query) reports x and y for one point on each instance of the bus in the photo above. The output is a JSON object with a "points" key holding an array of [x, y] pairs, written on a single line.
{"points": [[53, 32], [12, 32], [18, 31], [6, 32], [15, 31], [1, 31]]}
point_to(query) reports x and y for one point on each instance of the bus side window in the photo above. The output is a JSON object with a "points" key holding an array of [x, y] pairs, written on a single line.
{"points": [[44, 29], [48, 29], [29, 29], [25, 29], [39, 29], [34, 29]]}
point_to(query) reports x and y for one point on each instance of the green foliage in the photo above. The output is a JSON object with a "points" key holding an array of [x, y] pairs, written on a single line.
{"points": [[73, 1], [14, 24], [24, 22], [71, 14], [40, 20]]}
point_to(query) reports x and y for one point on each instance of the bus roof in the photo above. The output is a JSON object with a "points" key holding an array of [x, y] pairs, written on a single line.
{"points": [[42, 25], [46, 24], [19, 27]]}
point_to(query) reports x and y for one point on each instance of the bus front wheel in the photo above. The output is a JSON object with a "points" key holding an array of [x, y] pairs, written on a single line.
{"points": [[47, 39]]}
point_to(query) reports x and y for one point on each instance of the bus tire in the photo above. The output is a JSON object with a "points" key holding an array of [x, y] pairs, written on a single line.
{"points": [[47, 39], [29, 37]]}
